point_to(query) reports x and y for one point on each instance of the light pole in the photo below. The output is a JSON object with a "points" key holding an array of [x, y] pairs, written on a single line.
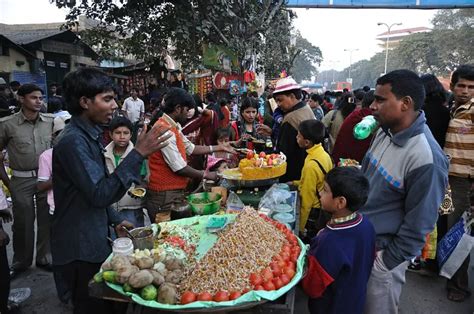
{"points": [[332, 63], [389, 27], [350, 62]]}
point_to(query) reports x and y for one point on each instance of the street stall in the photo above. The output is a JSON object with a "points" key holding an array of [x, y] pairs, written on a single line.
{"points": [[224, 258]]}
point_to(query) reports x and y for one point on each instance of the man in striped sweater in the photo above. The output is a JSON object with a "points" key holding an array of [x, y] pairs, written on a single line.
{"points": [[460, 148]]}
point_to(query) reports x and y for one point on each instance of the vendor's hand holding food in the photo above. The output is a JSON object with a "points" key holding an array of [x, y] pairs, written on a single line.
{"points": [[119, 228], [213, 176], [264, 130], [153, 141], [6, 215]]}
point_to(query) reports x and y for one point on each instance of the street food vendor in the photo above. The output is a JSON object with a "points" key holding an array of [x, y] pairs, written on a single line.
{"points": [[288, 96], [169, 171]]}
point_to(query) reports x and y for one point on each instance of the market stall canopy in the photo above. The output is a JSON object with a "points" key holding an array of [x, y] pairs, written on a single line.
{"points": [[394, 4]]}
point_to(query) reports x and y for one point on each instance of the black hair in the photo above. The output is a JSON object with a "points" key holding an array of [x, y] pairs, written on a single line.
{"points": [[198, 100], [312, 130], [26, 89], [223, 102], [338, 94], [253, 94], [465, 71], [366, 88], [297, 92], [345, 90], [350, 183], [223, 132], [217, 165], [434, 91], [248, 102], [359, 95], [347, 105], [85, 82], [405, 83], [368, 99], [317, 98], [177, 97], [134, 89], [14, 84], [210, 97], [120, 121], [55, 104]]}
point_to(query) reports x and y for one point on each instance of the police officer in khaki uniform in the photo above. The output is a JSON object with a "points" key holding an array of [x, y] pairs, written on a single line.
{"points": [[25, 135]]}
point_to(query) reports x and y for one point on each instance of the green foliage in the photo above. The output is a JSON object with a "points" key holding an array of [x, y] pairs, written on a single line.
{"points": [[306, 60]]}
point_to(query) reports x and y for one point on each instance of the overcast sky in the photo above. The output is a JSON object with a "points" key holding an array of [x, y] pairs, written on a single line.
{"points": [[332, 30]]}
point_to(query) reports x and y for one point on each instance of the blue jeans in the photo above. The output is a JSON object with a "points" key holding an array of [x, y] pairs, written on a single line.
{"points": [[135, 216]]}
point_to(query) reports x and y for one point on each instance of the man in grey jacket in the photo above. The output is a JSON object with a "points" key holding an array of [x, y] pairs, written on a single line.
{"points": [[408, 174]]}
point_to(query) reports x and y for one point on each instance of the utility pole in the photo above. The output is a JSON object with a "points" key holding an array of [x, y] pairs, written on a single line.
{"points": [[389, 27], [350, 62]]}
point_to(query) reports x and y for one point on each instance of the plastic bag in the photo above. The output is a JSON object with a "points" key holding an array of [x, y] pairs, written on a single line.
{"points": [[455, 246], [429, 250], [274, 196], [234, 203]]}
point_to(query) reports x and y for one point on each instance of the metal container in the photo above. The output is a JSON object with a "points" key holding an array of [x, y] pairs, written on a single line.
{"points": [[143, 238]]}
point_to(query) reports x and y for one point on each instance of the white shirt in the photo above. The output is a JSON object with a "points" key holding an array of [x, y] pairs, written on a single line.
{"points": [[134, 108]]}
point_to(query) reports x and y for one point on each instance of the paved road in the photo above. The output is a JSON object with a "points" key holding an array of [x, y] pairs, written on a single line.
{"points": [[420, 295]]}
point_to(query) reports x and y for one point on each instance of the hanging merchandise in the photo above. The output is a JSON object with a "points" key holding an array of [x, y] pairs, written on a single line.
{"points": [[235, 88], [249, 76]]}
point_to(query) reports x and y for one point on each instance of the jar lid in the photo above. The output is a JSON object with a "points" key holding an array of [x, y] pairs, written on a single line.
{"points": [[123, 242], [284, 217]]}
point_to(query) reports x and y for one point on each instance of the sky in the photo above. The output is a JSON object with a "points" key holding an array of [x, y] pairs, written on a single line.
{"points": [[332, 30]]}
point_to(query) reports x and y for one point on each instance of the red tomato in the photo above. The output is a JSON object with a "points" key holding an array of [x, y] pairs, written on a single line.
{"points": [[285, 279], [204, 296], [278, 283], [188, 297], [294, 257], [259, 287], [221, 296], [234, 295], [285, 256], [245, 291], [290, 272], [269, 286], [286, 248], [250, 155], [281, 263], [255, 279], [267, 274], [270, 162], [296, 250], [276, 270], [291, 265], [262, 155]]}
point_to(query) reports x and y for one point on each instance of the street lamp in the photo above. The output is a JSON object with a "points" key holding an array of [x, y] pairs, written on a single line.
{"points": [[332, 63], [350, 62], [386, 41]]}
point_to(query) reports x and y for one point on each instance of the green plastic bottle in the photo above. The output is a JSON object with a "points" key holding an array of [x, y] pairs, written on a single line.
{"points": [[364, 128]]}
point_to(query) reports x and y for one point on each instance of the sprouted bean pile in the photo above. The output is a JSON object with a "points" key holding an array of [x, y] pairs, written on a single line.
{"points": [[244, 247]]}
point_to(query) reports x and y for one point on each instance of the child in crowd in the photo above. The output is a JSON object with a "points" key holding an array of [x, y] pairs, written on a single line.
{"points": [[215, 165], [316, 165], [130, 208], [342, 254], [223, 137]]}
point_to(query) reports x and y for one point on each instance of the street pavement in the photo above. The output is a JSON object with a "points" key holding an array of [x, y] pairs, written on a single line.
{"points": [[421, 294]]}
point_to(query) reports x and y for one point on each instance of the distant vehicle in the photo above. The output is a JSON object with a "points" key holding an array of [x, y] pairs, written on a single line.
{"points": [[339, 86]]}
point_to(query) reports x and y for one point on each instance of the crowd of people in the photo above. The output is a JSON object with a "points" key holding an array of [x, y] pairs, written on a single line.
{"points": [[74, 158]]}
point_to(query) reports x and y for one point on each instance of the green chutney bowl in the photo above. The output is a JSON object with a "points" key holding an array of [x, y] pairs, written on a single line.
{"points": [[205, 203]]}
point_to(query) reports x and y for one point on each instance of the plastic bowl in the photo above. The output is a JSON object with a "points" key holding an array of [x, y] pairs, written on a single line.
{"points": [[208, 208]]}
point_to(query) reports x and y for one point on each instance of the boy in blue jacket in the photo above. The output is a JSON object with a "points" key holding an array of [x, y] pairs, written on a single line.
{"points": [[342, 254]]}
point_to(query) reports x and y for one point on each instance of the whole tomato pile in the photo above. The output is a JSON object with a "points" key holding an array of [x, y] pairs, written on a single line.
{"points": [[276, 275]]}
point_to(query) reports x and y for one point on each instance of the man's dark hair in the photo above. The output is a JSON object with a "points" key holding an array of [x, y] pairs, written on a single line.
{"points": [[210, 97], [359, 94], [366, 88], [14, 84], [345, 90], [120, 121], [312, 130], [253, 94], [198, 100], [350, 183], [85, 82], [134, 89], [368, 99], [347, 104], [297, 92], [223, 132], [405, 83], [223, 102], [434, 90], [26, 89], [317, 98], [177, 97], [248, 102], [55, 104], [465, 71]]}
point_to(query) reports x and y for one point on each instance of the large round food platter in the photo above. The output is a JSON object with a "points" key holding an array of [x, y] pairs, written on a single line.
{"points": [[252, 260]]}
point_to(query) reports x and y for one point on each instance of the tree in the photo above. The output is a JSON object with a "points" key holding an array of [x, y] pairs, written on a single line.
{"points": [[306, 59], [145, 27]]}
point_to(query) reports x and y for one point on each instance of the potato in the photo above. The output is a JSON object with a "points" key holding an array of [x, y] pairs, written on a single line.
{"points": [[158, 278], [145, 263], [174, 276], [140, 279], [119, 261], [161, 268], [173, 263], [106, 266], [167, 293], [132, 259], [124, 273]]}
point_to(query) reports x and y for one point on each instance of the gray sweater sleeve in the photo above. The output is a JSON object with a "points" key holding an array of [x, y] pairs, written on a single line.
{"points": [[425, 191]]}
